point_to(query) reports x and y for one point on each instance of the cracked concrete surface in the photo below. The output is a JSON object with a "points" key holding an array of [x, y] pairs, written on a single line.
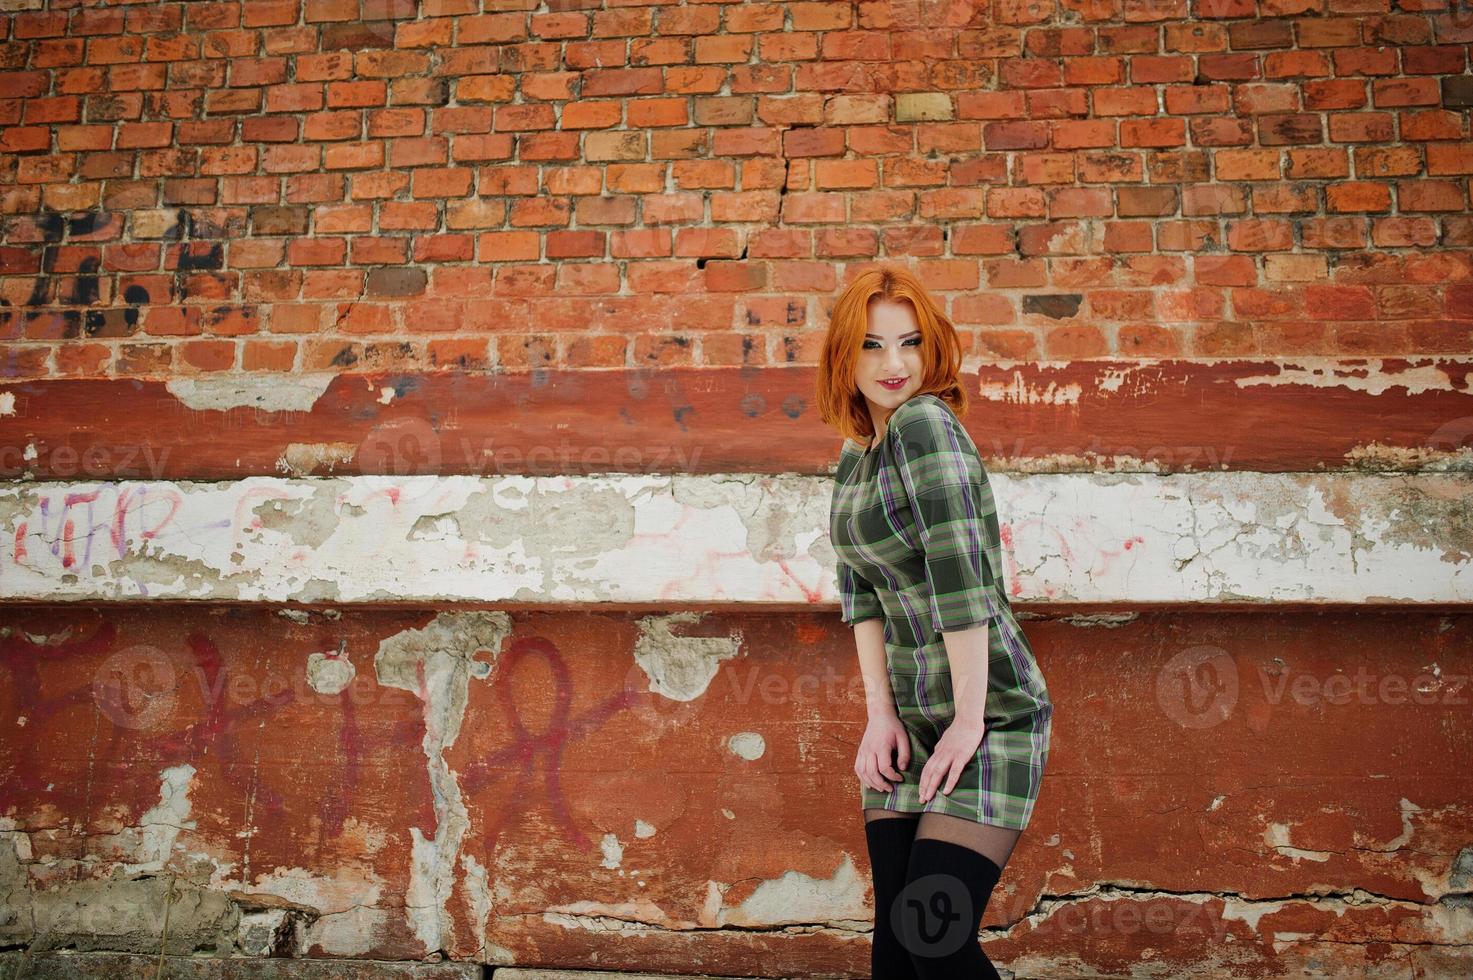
{"points": [[1068, 537], [268, 393], [436, 664]]}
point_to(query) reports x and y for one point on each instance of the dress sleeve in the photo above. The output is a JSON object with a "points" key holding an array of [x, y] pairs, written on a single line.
{"points": [[857, 599], [942, 474]]}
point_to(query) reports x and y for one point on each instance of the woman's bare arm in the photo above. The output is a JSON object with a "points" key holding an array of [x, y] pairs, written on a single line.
{"points": [[869, 642]]}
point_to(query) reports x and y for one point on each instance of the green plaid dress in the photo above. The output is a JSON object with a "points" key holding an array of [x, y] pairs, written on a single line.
{"points": [[915, 529]]}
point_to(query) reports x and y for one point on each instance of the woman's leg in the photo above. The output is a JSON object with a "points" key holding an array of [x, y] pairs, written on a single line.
{"points": [[889, 835], [995, 842], [954, 866]]}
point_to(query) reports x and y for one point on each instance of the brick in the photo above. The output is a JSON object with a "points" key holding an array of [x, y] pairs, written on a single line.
{"points": [[917, 106], [1457, 93], [1015, 135], [1289, 128], [1430, 195], [813, 142], [1153, 132], [1449, 158], [1122, 146], [1395, 92], [1153, 202], [616, 145], [395, 282]]}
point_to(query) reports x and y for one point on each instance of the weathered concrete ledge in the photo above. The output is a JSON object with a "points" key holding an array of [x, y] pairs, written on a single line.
{"points": [[674, 792], [734, 538], [1285, 415], [126, 966], [130, 966]]}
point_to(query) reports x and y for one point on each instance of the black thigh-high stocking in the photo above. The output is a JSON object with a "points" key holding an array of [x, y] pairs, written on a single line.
{"points": [[954, 866], [889, 835]]}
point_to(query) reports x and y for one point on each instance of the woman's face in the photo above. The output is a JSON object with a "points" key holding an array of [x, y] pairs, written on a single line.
{"points": [[891, 350]]}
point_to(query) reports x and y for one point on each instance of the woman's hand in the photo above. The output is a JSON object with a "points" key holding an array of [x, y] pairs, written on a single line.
{"points": [[884, 736], [956, 747]]}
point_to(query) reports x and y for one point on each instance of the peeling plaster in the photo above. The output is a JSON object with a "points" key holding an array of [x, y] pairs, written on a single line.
{"points": [[267, 392], [639, 916], [1439, 456], [127, 916], [330, 673], [160, 827], [613, 851], [1372, 378], [747, 745], [795, 899], [1103, 620], [1020, 392], [7, 403], [290, 909], [1068, 537], [643, 830], [265, 933], [436, 664], [343, 906], [479, 905], [680, 667], [307, 458], [1276, 836], [307, 521]]}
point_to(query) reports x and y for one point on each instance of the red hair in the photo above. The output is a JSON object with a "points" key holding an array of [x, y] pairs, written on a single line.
{"points": [[840, 402]]}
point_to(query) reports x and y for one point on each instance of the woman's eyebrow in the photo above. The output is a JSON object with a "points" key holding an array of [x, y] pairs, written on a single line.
{"points": [[902, 336]]}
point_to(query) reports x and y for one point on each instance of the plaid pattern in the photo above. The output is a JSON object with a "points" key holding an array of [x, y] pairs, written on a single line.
{"points": [[915, 529]]}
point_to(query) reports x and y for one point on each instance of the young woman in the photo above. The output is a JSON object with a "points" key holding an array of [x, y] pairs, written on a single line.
{"points": [[959, 716]]}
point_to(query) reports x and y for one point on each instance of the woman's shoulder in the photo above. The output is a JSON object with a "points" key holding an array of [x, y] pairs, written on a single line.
{"points": [[926, 423], [922, 406]]}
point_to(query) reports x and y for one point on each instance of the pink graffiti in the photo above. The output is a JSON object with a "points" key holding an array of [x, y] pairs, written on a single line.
{"points": [[515, 762], [76, 525]]}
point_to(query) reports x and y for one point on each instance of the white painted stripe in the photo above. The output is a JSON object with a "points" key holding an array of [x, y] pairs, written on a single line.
{"points": [[1098, 537]]}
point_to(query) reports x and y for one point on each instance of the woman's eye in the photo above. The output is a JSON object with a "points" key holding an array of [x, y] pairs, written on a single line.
{"points": [[874, 344]]}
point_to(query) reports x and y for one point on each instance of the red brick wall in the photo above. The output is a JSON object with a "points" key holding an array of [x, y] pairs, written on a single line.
{"points": [[324, 185]]}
